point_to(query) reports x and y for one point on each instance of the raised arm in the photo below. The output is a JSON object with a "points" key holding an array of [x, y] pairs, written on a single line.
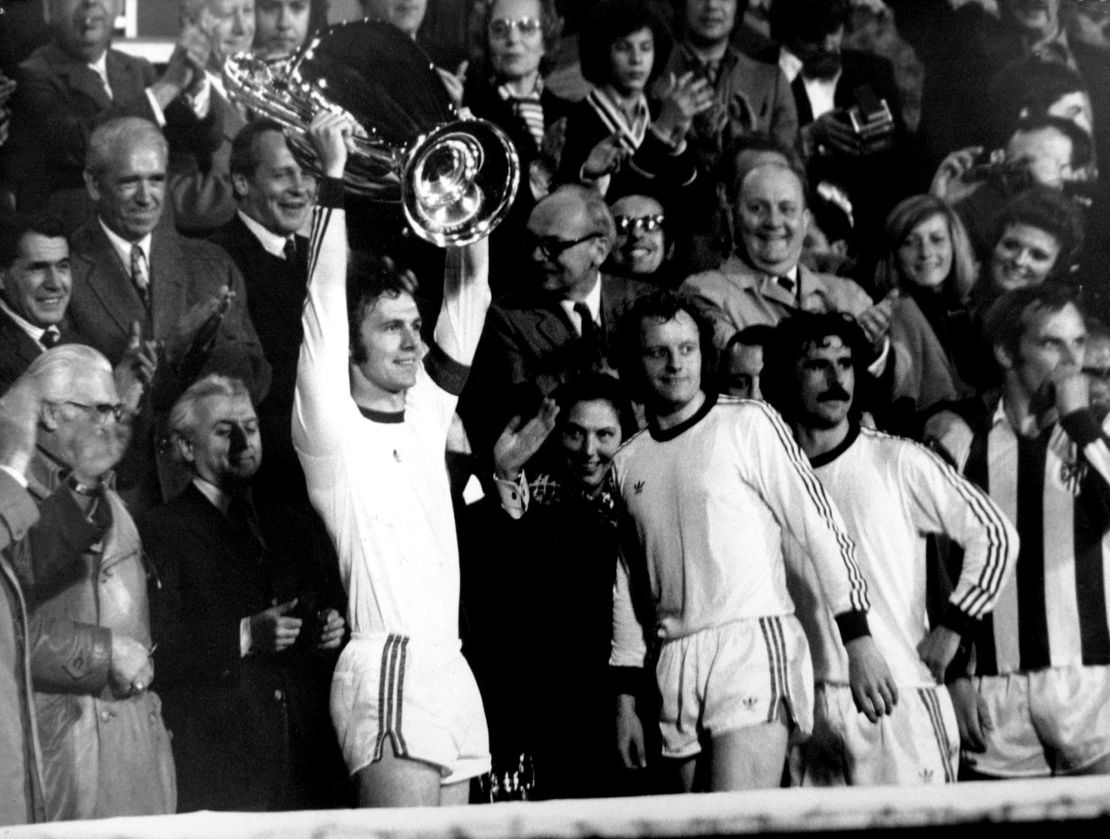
{"points": [[323, 379], [466, 299]]}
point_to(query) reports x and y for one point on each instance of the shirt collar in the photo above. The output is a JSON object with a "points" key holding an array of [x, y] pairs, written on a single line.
{"points": [[123, 247], [613, 116], [592, 301], [36, 332], [213, 493], [100, 66], [791, 65], [272, 243], [506, 93]]}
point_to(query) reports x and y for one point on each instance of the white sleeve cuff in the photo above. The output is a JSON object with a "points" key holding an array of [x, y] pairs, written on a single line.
{"points": [[244, 637], [513, 495], [159, 117]]}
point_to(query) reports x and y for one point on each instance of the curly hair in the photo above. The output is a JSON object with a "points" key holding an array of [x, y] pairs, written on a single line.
{"points": [[661, 307], [1048, 210]]}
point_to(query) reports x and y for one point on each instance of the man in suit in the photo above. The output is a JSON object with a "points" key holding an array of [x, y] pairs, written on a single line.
{"points": [[184, 293], [247, 621], [77, 81], [562, 325], [274, 199], [35, 285], [829, 82], [200, 183], [763, 282]]}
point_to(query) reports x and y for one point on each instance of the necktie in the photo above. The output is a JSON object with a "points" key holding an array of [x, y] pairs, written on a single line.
{"points": [[102, 74], [786, 283], [139, 274], [588, 333], [290, 249], [242, 513], [50, 337]]}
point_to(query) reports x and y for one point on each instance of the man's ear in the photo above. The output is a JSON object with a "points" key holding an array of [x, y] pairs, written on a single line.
{"points": [[1003, 357], [91, 186], [48, 416], [238, 186], [602, 245], [184, 449]]}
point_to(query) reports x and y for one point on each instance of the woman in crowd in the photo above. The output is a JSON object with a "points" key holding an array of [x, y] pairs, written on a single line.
{"points": [[1037, 237], [612, 140], [506, 87], [548, 550], [925, 255]]}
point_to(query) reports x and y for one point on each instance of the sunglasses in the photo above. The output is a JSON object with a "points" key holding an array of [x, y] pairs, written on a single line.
{"points": [[500, 28], [645, 224]]}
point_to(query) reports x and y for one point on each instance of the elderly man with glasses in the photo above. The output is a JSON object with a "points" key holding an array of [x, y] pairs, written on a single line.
{"points": [[561, 321], [105, 749]]}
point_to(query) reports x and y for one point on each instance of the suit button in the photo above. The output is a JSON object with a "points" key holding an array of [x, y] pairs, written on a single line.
{"points": [[279, 695]]}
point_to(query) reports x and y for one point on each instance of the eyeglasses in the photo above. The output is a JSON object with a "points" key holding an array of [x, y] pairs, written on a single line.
{"points": [[645, 224], [1098, 372], [500, 28], [553, 247], [99, 413]]}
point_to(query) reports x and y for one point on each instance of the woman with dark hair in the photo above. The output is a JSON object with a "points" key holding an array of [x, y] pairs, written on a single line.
{"points": [[519, 41], [548, 554], [613, 142], [925, 254], [1037, 237]]}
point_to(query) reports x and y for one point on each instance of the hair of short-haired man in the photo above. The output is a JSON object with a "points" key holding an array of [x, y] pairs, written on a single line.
{"points": [[755, 335], [111, 138], [551, 29], [14, 227], [245, 157], [662, 306], [369, 278], [1082, 147], [56, 370], [807, 20], [598, 216], [799, 175], [597, 387], [792, 338], [729, 174], [1053, 212], [183, 419], [907, 215], [610, 20], [1007, 319]]}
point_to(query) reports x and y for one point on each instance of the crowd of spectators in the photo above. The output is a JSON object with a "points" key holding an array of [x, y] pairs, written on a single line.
{"points": [[764, 443]]}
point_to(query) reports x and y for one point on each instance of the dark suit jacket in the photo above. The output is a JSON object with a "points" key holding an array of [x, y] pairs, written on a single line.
{"points": [[58, 103], [199, 184], [249, 733], [18, 350], [275, 298], [529, 347], [183, 273]]}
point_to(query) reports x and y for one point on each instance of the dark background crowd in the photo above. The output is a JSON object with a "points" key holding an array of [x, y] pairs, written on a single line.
{"points": [[908, 163]]}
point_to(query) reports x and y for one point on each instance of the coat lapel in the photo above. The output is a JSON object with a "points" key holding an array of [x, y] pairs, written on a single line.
{"points": [[107, 277], [168, 296], [80, 77]]}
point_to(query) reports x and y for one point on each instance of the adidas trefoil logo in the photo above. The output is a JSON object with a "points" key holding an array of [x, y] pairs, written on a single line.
{"points": [[926, 775], [638, 487], [748, 702]]}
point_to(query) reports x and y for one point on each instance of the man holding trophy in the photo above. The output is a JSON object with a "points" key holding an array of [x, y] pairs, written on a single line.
{"points": [[371, 414]]}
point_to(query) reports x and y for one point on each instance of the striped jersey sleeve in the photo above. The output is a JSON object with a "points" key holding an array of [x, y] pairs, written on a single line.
{"points": [[945, 502], [804, 508]]}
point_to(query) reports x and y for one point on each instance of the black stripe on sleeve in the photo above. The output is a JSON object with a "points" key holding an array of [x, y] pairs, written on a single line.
{"points": [[1032, 618], [445, 371]]}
